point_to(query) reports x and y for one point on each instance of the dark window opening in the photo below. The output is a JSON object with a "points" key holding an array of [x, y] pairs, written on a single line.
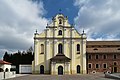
{"points": [[60, 48], [6, 70], [97, 57], [115, 63], [60, 32], [115, 56], [95, 49], [104, 56], [118, 48], [89, 57], [60, 21], [1, 70], [78, 47], [42, 49], [104, 66], [89, 66], [97, 65]]}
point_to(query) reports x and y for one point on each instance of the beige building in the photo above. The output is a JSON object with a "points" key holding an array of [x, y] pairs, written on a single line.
{"points": [[59, 49]]}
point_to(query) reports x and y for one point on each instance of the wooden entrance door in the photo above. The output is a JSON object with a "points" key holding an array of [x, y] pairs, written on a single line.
{"points": [[41, 69], [115, 69], [60, 70]]}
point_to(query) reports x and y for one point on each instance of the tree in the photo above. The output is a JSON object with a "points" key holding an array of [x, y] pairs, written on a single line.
{"points": [[30, 49], [6, 57]]}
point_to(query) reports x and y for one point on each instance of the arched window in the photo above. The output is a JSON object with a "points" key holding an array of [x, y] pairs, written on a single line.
{"points": [[60, 32], [60, 48], [42, 49], [41, 69], [60, 21], [78, 47], [115, 63], [78, 68], [6, 70], [1, 70]]}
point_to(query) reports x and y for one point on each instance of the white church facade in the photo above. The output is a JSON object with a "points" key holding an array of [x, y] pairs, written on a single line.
{"points": [[59, 49]]}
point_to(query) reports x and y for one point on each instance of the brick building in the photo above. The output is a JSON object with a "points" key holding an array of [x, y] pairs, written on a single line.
{"points": [[103, 56]]}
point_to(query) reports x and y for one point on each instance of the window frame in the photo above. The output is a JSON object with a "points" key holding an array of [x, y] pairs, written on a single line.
{"points": [[78, 47], [105, 64], [89, 64], [114, 56], [104, 56], [42, 49], [60, 21], [60, 48], [60, 32], [89, 57], [96, 57], [96, 66]]}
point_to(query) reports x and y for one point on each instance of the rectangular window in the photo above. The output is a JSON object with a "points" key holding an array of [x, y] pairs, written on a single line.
{"points": [[97, 66], [97, 56], [104, 56], [78, 47], [89, 65], [89, 56], [42, 48], [105, 65], [114, 56]]}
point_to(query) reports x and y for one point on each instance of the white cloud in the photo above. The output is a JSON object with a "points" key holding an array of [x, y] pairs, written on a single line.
{"points": [[18, 21], [99, 18]]}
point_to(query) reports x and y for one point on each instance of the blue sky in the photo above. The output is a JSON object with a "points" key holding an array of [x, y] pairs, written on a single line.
{"points": [[20, 18], [67, 7]]}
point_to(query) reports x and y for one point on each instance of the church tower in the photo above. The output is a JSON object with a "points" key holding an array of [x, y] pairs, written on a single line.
{"points": [[59, 49]]}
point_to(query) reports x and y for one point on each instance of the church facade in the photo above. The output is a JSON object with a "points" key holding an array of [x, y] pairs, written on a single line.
{"points": [[59, 49]]}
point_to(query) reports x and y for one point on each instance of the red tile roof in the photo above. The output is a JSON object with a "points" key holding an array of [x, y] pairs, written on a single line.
{"points": [[103, 47], [103, 43], [103, 50], [4, 62]]}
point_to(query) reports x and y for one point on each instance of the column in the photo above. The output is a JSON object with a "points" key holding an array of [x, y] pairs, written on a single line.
{"points": [[68, 67], [53, 68], [47, 56], [36, 46], [65, 48], [73, 58], [36, 51], [84, 56], [55, 47]]}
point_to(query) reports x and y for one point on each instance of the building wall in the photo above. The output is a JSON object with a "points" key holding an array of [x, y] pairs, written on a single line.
{"points": [[109, 61], [101, 48], [50, 39]]}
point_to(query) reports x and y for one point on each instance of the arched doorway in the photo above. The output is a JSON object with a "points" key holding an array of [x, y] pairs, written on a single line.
{"points": [[78, 68], [115, 69], [60, 70], [41, 69]]}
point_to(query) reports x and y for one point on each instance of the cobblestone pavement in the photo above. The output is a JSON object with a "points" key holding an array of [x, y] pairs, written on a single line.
{"points": [[62, 77]]}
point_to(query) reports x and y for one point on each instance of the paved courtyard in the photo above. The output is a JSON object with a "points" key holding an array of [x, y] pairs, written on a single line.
{"points": [[62, 77]]}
